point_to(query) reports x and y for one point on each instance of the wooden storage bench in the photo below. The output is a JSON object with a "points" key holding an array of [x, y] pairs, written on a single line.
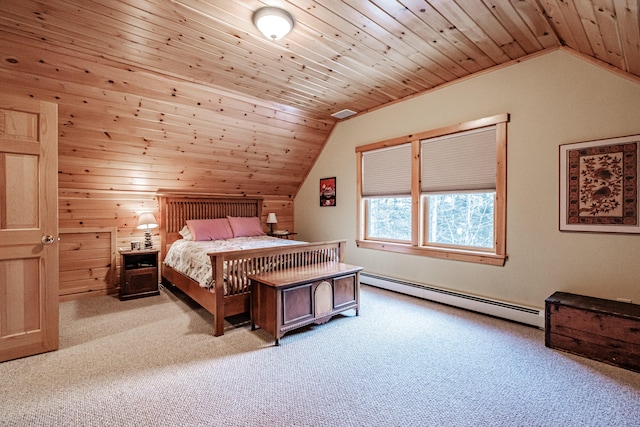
{"points": [[288, 299], [600, 329]]}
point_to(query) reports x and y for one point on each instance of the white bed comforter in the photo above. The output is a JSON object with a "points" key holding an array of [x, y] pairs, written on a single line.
{"points": [[190, 258]]}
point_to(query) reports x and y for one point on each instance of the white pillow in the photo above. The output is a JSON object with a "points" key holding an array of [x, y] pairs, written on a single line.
{"points": [[185, 233]]}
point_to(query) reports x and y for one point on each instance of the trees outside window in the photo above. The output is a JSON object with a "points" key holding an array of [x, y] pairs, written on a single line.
{"points": [[465, 219], [389, 218]]}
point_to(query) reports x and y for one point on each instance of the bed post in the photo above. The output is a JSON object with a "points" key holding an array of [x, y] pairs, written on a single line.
{"points": [[342, 246], [217, 263], [162, 206]]}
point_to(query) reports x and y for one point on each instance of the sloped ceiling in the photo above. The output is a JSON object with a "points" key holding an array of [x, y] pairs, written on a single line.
{"points": [[194, 89]]}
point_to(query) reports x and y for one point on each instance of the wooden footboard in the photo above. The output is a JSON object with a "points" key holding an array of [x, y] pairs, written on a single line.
{"points": [[241, 263]]}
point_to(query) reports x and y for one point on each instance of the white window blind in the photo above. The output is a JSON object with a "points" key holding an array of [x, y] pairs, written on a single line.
{"points": [[461, 161], [387, 171]]}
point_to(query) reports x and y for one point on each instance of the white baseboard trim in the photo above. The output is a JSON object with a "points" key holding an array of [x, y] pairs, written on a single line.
{"points": [[517, 313]]}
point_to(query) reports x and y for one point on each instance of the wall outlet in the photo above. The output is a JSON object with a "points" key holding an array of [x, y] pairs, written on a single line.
{"points": [[623, 300]]}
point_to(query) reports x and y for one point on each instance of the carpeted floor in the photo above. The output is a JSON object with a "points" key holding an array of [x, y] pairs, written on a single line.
{"points": [[402, 362]]}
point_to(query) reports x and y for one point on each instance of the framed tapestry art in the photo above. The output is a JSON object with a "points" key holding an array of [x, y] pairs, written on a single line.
{"points": [[599, 185]]}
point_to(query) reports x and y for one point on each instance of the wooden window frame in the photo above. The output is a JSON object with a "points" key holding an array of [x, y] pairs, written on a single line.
{"points": [[496, 257]]}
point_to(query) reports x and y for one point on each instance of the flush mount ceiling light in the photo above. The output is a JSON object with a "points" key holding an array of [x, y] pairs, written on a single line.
{"points": [[273, 22]]}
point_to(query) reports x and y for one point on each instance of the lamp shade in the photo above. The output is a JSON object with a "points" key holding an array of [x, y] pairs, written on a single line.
{"points": [[147, 221], [273, 22], [271, 218]]}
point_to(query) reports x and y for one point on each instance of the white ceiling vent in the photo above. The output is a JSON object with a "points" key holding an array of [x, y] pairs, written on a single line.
{"points": [[343, 114]]}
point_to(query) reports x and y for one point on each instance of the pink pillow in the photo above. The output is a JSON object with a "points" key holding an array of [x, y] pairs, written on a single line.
{"points": [[210, 229], [245, 226]]}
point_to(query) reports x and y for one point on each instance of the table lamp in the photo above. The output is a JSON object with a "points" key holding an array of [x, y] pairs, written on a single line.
{"points": [[146, 222], [271, 219]]}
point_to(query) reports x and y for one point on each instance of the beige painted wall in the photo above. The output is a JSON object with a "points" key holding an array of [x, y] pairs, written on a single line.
{"points": [[553, 99]]}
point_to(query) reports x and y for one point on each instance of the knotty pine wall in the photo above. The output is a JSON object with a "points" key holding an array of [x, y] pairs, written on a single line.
{"points": [[126, 133]]}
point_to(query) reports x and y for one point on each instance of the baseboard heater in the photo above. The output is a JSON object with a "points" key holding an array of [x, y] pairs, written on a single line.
{"points": [[517, 313]]}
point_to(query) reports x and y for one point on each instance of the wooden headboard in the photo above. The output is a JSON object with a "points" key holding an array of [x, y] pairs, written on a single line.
{"points": [[176, 209]]}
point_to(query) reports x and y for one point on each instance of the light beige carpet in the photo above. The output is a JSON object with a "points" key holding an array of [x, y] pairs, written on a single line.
{"points": [[402, 362]]}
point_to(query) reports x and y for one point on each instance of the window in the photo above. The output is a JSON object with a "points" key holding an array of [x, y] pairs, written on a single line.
{"points": [[453, 169], [389, 218], [440, 193], [387, 190], [461, 219]]}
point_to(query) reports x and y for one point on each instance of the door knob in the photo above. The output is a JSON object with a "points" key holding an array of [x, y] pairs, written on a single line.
{"points": [[47, 240]]}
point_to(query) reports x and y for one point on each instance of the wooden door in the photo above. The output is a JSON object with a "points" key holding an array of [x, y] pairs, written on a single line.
{"points": [[28, 227]]}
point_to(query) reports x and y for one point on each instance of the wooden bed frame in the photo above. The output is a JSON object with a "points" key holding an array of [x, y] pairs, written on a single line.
{"points": [[176, 209]]}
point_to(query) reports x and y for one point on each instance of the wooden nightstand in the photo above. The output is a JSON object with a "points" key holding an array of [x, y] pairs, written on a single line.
{"points": [[138, 273]]}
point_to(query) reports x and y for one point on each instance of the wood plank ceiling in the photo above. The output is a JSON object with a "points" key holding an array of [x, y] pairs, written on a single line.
{"points": [[187, 94]]}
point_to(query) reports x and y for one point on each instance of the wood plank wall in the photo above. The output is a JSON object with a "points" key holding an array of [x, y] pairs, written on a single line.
{"points": [[87, 210], [124, 134], [87, 262]]}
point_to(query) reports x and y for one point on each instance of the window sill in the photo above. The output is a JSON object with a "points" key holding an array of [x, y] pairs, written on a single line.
{"points": [[456, 255]]}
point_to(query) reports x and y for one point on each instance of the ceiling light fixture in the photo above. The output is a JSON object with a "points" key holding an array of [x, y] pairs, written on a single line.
{"points": [[273, 22]]}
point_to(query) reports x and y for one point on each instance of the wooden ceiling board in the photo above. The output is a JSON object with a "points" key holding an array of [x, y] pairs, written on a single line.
{"points": [[629, 32], [533, 16], [343, 30], [444, 31], [568, 24], [187, 94]]}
